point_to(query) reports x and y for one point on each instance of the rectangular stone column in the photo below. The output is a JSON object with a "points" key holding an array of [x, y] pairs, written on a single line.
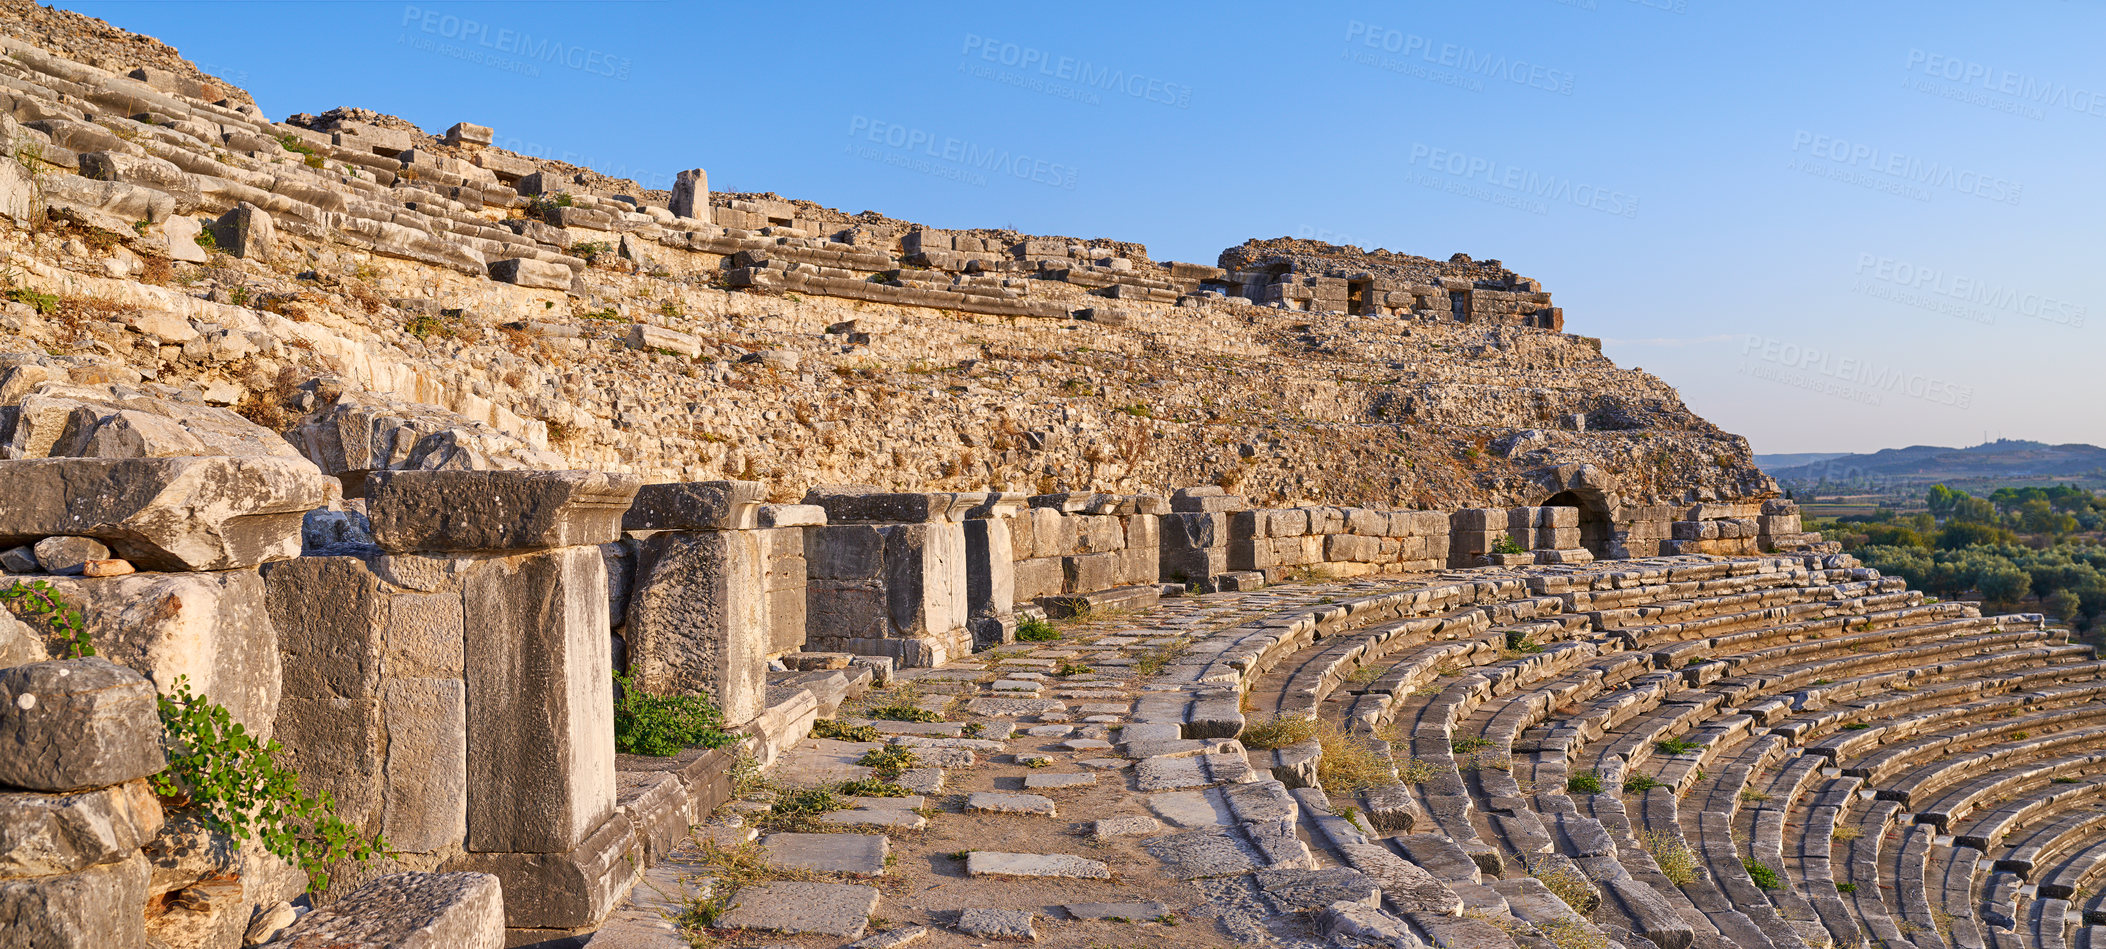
{"points": [[783, 527], [990, 569], [523, 550], [697, 607], [888, 574]]}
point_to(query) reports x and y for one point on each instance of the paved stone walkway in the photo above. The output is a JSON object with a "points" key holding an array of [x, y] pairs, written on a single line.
{"points": [[1043, 811]]}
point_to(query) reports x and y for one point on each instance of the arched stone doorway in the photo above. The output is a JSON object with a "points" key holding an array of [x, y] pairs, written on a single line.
{"points": [[1597, 528]]}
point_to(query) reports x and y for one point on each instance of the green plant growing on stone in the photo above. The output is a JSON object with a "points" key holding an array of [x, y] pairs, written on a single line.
{"points": [[889, 761], [239, 787], [841, 731], [1640, 783], [1762, 874], [1675, 746], [1584, 782], [1071, 668], [665, 725], [902, 711], [1506, 545], [1035, 630], [1672, 853], [39, 598], [44, 303]]}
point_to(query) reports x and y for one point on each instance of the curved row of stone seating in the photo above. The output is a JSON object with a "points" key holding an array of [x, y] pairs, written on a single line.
{"points": [[1770, 702]]}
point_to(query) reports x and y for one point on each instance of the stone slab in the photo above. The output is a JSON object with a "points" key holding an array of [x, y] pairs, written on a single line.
{"points": [[860, 855], [76, 724], [996, 802], [189, 513], [798, 908], [407, 911], [496, 510], [997, 923], [985, 863]]}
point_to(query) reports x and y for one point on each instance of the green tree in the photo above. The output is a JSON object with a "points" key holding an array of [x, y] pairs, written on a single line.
{"points": [[2003, 586]]}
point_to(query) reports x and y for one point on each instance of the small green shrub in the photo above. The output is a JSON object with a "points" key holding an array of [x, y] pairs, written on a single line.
{"points": [[1070, 668], [903, 712], [1675, 746], [292, 143], [1762, 874], [205, 239], [1846, 888], [1521, 643], [889, 761], [1856, 727], [799, 810], [1035, 630], [591, 250], [841, 731], [1506, 545], [1585, 782], [1277, 732], [1467, 744], [239, 787], [44, 303], [1640, 783], [1672, 853], [40, 599], [871, 787], [665, 725]]}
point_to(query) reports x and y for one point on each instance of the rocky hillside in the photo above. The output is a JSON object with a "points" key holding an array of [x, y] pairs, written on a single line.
{"points": [[392, 298]]}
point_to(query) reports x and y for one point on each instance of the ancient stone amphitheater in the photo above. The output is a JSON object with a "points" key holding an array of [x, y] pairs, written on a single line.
{"points": [[1052, 593]]}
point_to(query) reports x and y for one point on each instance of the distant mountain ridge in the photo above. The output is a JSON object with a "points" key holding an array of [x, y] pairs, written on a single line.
{"points": [[2001, 460]]}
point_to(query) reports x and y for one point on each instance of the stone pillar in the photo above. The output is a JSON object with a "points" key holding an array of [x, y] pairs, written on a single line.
{"points": [[990, 569], [75, 877], [888, 574], [1194, 536], [783, 529], [697, 607], [691, 194], [521, 550]]}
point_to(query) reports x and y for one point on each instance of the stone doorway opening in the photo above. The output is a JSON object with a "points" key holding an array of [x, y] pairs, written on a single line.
{"points": [[1596, 527]]}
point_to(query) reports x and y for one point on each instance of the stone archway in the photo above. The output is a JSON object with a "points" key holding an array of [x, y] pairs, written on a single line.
{"points": [[1597, 526]]}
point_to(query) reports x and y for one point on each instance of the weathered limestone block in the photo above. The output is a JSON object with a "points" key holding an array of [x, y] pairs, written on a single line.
{"points": [[570, 889], [165, 513], [540, 701], [990, 569], [101, 907], [649, 338], [690, 194], [374, 709], [363, 432], [1143, 554], [496, 510], [117, 421], [75, 724], [889, 589], [862, 504], [44, 834], [532, 273], [424, 763], [1042, 576], [783, 587], [408, 911], [1205, 499], [1352, 548], [213, 629], [696, 620], [696, 505], [1089, 573], [1051, 534], [246, 231]]}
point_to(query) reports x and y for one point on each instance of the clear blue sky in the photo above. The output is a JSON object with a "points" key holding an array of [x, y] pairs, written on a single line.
{"points": [[1832, 226]]}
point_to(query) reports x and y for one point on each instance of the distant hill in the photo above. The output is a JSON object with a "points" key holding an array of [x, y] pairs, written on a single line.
{"points": [[1771, 464], [1994, 464]]}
